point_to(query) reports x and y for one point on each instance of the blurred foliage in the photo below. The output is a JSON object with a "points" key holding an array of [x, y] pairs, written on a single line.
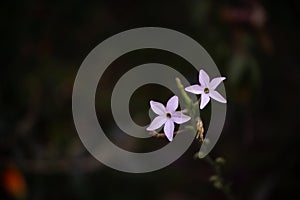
{"points": [[255, 45]]}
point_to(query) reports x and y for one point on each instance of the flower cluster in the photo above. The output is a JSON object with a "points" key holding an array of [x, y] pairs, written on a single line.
{"points": [[167, 115]]}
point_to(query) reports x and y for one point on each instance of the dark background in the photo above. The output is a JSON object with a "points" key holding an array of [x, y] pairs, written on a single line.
{"points": [[255, 45]]}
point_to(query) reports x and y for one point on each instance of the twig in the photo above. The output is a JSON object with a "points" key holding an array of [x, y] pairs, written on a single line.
{"points": [[162, 135]]}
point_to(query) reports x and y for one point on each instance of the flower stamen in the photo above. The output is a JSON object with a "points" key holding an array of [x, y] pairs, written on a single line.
{"points": [[206, 90], [168, 115]]}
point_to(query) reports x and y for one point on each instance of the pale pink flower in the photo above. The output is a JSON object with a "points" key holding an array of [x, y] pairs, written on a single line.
{"points": [[167, 116], [207, 89]]}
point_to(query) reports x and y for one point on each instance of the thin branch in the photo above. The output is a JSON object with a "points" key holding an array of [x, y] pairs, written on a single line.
{"points": [[162, 135]]}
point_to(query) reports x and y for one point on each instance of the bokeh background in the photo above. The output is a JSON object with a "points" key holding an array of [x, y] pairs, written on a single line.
{"points": [[255, 45]]}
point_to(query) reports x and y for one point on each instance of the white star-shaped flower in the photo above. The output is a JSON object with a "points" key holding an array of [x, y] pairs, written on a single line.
{"points": [[207, 89], [167, 116]]}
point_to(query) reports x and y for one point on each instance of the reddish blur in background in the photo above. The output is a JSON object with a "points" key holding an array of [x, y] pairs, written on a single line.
{"points": [[255, 45]]}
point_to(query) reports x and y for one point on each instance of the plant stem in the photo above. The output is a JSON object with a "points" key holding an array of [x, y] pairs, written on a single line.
{"points": [[217, 179]]}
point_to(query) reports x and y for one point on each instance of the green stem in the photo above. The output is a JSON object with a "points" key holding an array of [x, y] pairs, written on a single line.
{"points": [[217, 179], [186, 98]]}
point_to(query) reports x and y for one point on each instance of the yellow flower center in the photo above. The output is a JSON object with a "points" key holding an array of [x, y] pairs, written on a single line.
{"points": [[206, 90]]}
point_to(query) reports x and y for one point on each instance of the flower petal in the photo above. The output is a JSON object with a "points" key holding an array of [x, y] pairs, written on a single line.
{"points": [[172, 104], [169, 129], [203, 78], [157, 123], [180, 118], [216, 95], [158, 108], [215, 82], [195, 89], [204, 100]]}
